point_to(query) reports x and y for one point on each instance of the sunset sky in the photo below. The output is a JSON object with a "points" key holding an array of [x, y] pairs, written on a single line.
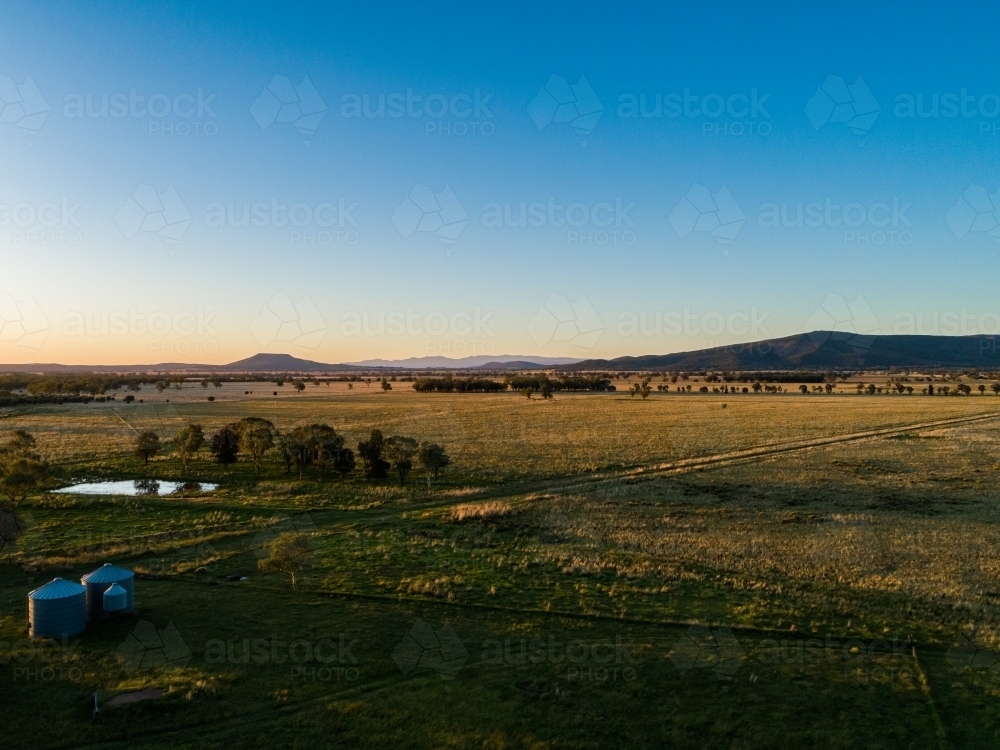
{"points": [[406, 179]]}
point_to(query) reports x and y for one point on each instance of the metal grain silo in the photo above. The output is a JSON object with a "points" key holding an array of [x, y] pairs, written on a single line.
{"points": [[57, 609], [100, 581], [115, 599]]}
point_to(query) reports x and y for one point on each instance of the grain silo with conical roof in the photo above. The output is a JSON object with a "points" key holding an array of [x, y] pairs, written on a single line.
{"points": [[115, 599], [100, 581], [57, 609]]}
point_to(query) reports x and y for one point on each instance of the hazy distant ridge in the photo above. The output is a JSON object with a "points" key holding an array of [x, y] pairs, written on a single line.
{"points": [[820, 350]]}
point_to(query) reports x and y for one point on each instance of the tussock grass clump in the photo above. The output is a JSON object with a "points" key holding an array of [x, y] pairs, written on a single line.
{"points": [[481, 511]]}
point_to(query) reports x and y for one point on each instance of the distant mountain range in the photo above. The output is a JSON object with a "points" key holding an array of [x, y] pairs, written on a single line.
{"points": [[819, 350], [286, 363], [486, 361], [822, 350]]}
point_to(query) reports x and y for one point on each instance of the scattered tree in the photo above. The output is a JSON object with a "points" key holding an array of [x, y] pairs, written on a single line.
{"points": [[343, 461], [286, 446], [147, 445], [400, 451], [432, 458], [225, 446], [288, 553], [21, 445], [256, 437], [386, 385], [189, 441], [370, 452], [320, 444], [20, 476]]}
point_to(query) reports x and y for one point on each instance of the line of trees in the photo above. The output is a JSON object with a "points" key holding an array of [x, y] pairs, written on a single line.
{"points": [[315, 446], [75, 384], [522, 383], [562, 383], [961, 389], [21, 471], [449, 384]]}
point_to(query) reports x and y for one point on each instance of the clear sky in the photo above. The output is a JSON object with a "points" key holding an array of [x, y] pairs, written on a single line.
{"points": [[349, 181]]}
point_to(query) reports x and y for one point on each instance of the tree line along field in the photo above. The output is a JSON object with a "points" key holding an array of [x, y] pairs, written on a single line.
{"points": [[591, 570]]}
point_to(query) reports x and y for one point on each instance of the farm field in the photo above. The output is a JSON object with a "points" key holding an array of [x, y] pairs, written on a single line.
{"points": [[594, 570]]}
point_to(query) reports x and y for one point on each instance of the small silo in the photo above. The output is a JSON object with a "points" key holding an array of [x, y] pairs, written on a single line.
{"points": [[57, 609], [115, 599], [100, 581]]}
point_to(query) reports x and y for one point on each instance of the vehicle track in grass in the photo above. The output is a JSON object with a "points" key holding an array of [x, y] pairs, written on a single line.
{"points": [[654, 470], [333, 521]]}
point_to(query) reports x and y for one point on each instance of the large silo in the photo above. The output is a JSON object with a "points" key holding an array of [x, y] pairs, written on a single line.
{"points": [[57, 609], [100, 581]]}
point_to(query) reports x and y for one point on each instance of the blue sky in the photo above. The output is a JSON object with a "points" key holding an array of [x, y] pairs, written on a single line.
{"points": [[670, 243]]}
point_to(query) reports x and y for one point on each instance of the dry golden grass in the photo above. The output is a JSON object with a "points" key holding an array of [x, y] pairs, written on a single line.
{"points": [[914, 519], [481, 511], [496, 436]]}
